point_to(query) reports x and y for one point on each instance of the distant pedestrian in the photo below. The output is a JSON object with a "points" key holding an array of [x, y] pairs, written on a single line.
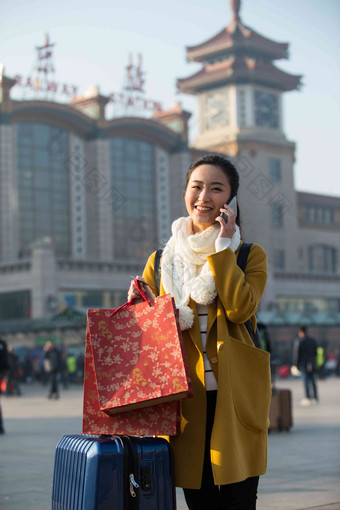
{"points": [[12, 386], [306, 362], [52, 363], [71, 367]]}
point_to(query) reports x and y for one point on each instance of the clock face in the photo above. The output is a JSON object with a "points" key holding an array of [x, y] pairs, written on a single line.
{"points": [[266, 109], [216, 110]]}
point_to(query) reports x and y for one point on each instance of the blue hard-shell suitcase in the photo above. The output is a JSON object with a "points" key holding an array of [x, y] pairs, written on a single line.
{"points": [[112, 473]]}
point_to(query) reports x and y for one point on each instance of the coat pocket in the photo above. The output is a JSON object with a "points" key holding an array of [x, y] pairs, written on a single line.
{"points": [[251, 384]]}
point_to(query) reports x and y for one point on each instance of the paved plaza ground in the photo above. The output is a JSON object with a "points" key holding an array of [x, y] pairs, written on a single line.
{"points": [[303, 465]]}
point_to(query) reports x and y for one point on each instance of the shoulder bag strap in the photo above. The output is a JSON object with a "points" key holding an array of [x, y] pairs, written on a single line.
{"points": [[157, 270], [242, 262]]}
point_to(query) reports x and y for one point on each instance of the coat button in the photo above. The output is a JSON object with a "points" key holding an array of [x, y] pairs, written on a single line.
{"points": [[214, 360]]}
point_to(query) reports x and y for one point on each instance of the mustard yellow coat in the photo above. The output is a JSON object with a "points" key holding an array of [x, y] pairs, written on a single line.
{"points": [[238, 445]]}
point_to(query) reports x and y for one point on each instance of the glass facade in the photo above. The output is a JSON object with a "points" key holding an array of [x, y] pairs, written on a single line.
{"points": [[15, 305], [43, 186], [134, 218]]}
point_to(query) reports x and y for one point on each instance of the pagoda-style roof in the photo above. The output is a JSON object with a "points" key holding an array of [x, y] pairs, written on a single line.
{"points": [[239, 70], [240, 39], [238, 54]]}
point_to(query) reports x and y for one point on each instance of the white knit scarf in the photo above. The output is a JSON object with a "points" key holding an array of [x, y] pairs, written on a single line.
{"points": [[185, 270]]}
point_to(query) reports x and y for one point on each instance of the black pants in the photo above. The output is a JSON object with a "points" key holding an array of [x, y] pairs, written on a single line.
{"points": [[234, 496], [310, 382], [53, 376]]}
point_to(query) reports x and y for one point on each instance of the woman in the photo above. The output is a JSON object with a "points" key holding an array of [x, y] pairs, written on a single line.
{"points": [[222, 447]]}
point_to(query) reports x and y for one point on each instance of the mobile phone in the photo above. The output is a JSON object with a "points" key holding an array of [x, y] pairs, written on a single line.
{"points": [[233, 204]]}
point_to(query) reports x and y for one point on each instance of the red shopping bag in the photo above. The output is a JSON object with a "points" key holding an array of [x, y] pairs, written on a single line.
{"points": [[138, 355], [163, 419]]}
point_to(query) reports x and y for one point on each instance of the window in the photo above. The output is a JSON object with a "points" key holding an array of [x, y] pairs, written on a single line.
{"points": [[323, 259], [327, 216], [117, 143], [277, 215], [42, 200], [58, 227], [311, 214], [41, 158], [131, 149], [145, 148], [61, 185], [279, 260], [42, 224], [132, 169], [42, 179], [275, 169], [318, 215]]}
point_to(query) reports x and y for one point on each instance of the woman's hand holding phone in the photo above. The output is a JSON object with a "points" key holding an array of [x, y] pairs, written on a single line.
{"points": [[227, 219]]}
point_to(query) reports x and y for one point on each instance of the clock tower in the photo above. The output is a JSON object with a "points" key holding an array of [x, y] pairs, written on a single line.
{"points": [[239, 91]]}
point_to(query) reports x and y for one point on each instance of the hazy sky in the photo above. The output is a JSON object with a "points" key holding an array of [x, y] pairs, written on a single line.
{"points": [[93, 40]]}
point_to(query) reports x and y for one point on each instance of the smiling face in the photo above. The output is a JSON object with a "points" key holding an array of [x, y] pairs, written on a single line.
{"points": [[207, 191]]}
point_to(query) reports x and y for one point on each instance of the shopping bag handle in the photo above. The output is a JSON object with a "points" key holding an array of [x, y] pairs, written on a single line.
{"points": [[129, 303]]}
